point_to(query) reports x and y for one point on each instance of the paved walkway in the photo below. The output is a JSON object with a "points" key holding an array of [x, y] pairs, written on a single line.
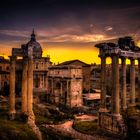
{"points": [[66, 129], [86, 117]]}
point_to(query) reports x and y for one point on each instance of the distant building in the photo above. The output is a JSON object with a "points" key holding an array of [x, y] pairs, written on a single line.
{"points": [[4, 76], [86, 72], [41, 64], [65, 85]]}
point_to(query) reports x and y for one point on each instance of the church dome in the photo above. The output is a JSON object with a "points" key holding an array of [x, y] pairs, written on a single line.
{"points": [[37, 50]]}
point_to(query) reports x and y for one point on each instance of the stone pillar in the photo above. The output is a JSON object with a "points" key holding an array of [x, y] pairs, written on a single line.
{"points": [[12, 87], [68, 94], [132, 82], [115, 86], [24, 86], [103, 85], [139, 81], [52, 91], [61, 89], [30, 90], [124, 101], [52, 87]]}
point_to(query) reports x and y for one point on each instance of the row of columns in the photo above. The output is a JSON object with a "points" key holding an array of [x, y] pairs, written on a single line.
{"points": [[115, 98], [27, 87]]}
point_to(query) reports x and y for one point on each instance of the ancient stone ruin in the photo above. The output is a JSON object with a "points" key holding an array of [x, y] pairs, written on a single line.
{"points": [[125, 49], [27, 53]]}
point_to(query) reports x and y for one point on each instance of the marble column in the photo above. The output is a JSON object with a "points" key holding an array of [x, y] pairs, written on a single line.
{"points": [[103, 85], [132, 82], [139, 81], [24, 86], [30, 90], [115, 86], [12, 87], [124, 101]]}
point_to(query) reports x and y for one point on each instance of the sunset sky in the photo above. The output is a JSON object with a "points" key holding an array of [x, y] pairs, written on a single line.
{"points": [[67, 29]]}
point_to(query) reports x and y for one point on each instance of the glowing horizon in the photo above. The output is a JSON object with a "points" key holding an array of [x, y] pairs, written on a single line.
{"points": [[60, 52]]}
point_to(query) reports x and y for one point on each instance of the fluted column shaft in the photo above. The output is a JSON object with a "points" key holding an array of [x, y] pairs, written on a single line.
{"points": [[115, 85], [124, 103], [132, 82], [12, 87], [24, 86]]}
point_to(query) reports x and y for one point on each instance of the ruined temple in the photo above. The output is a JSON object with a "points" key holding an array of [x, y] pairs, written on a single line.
{"points": [[111, 119]]}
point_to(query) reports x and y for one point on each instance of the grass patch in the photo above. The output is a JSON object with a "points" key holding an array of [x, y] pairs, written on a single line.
{"points": [[13, 130], [86, 127]]}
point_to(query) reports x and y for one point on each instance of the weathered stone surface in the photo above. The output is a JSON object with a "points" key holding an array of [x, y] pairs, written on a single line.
{"points": [[12, 88]]}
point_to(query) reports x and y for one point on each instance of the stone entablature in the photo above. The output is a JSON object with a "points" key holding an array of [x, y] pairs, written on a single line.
{"points": [[66, 71], [108, 51]]}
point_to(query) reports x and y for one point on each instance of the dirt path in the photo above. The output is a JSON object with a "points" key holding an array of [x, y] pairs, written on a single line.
{"points": [[66, 129]]}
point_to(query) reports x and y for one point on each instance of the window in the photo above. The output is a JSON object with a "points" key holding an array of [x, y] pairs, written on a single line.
{"points": [[7, 68], [36, 65]]}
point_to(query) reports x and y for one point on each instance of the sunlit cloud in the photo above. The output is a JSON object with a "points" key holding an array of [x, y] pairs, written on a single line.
{"points": [[57, 35], [15, 33], [108, 28]]}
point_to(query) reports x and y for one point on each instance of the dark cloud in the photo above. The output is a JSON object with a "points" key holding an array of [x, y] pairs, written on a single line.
{"points": [[69, 18]]}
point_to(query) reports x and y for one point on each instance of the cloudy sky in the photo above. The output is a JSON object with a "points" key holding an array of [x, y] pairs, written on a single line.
{"points": [[67, 29]]}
